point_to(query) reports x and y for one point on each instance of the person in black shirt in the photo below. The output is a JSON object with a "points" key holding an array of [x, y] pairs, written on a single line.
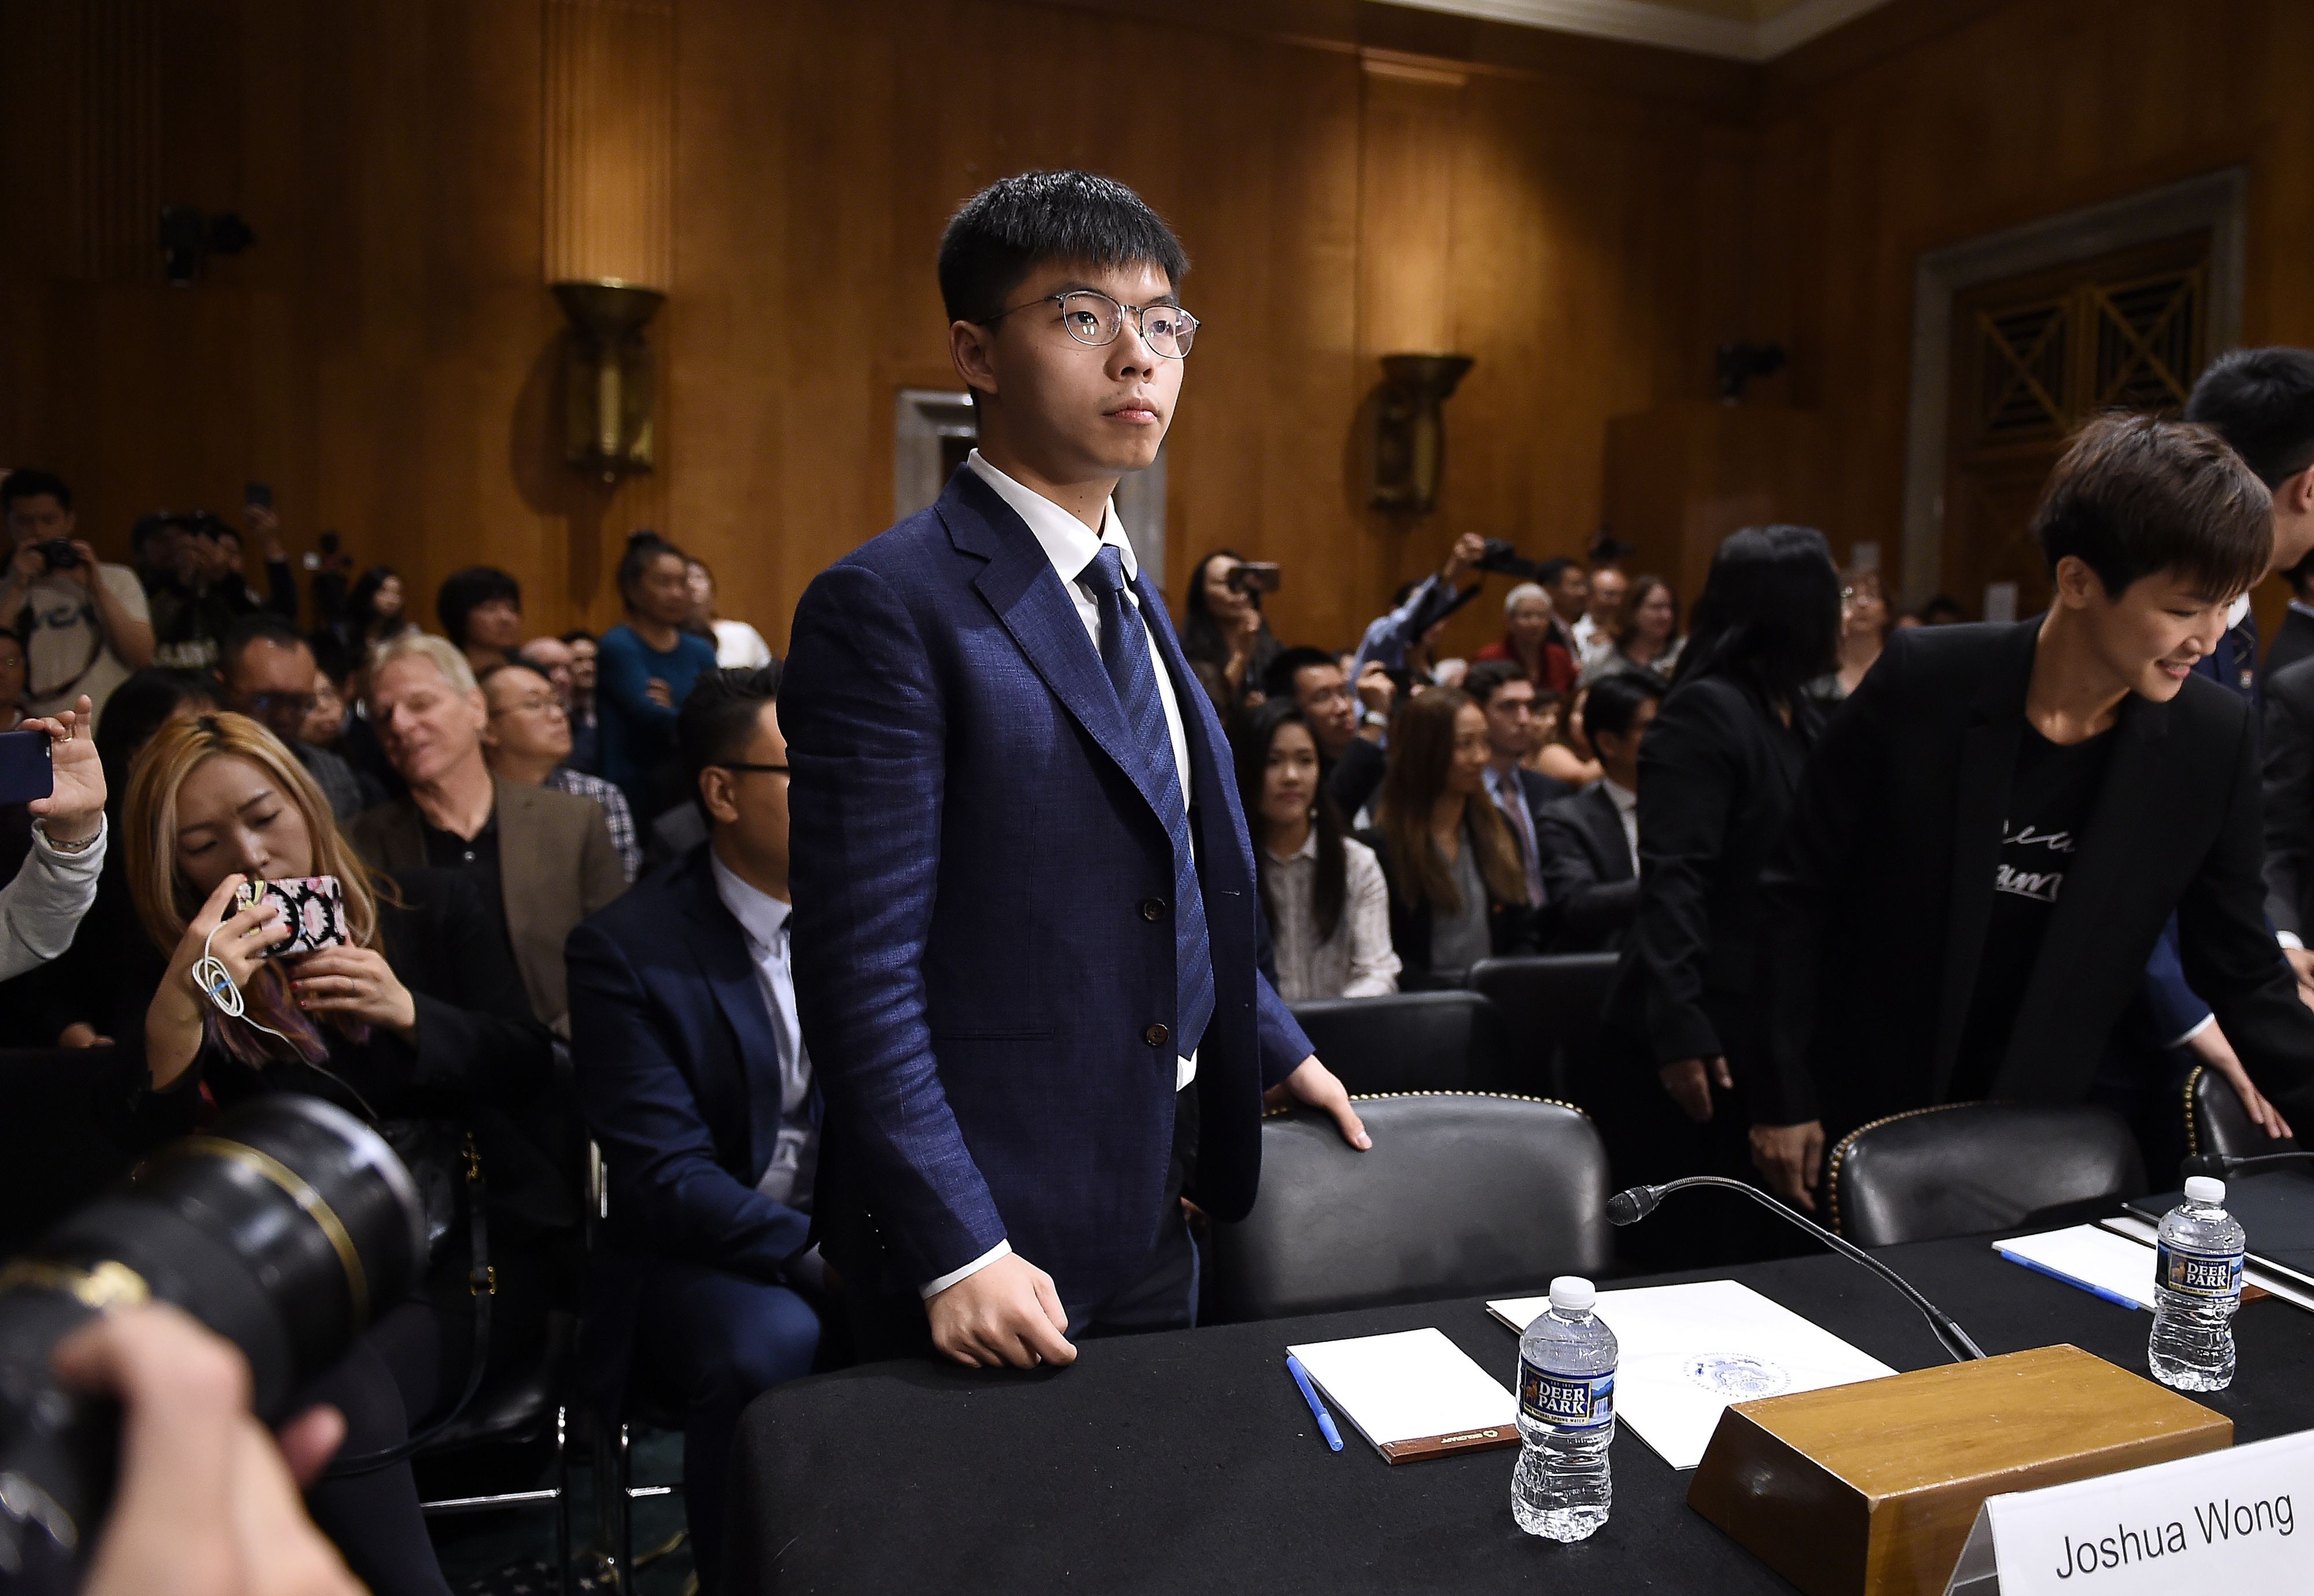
{"points": [[1994, 830]]}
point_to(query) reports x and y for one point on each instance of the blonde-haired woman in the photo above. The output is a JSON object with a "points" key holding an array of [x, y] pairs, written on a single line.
{"points": [[420, 1013]]}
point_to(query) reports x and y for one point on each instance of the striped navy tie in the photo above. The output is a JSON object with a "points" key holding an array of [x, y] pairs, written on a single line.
{"points": [[1125, 654]]}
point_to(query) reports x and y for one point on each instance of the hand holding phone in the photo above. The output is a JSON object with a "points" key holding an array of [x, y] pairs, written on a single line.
{"points": [[26, 769], [314, 908]]}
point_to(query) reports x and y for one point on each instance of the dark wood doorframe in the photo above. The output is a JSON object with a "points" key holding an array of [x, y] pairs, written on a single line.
{"points": [[2216, 200]]}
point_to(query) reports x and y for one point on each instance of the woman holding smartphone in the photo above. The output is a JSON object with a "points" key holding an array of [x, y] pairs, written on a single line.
{"points": [[415, 1013]]}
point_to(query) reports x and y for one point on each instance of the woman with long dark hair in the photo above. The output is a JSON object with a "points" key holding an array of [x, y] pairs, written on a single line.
{"points": [[1327, 904], [374, 611], [1457, 887], [1222, 628], [1718, 773]]}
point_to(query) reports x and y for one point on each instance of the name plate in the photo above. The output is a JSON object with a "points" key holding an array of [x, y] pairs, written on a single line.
{"points": [[2225, 1520]]}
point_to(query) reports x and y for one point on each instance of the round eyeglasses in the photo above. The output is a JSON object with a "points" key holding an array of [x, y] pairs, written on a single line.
{"points": [[1095, 319]]}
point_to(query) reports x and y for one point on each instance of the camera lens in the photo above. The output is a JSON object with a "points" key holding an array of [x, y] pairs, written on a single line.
{"points": [[286, 1228]]}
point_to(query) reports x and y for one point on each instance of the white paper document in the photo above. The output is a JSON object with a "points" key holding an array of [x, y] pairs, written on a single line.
{"points": [[1414, 1393], [2286, 1287], [2095, 1259], [1687, 1351]]}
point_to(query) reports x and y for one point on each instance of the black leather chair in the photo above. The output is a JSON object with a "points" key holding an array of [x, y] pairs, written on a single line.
{"points": [[1461, 1192], [1551, 1007], [2216, 1124], [1968, 1168], [1421, 1041]]}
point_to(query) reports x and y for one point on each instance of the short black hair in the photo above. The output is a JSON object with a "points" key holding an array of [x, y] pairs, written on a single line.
{"points": [[1613, 703], [464, 592], [1277, 681], [2135, 495], [31, 482], [1549, 572], [1489, 677], [720, 715], [257, 626], [577, 634], [1003, 233], [2261, 401]]}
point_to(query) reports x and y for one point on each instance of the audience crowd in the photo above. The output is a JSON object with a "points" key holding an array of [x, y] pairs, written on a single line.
{"points": [[1616, 772]]}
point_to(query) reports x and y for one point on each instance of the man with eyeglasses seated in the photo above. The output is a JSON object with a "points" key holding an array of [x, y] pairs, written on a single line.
{"points": [[691, 1069], [270, 675], [1347, 726], [527, 739]]}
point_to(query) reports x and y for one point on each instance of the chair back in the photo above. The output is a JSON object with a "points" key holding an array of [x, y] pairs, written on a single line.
{"points": [[1409, 1042], [1460, 1194], [1968, 1167], [1551, 1006], [2216, 1123]]}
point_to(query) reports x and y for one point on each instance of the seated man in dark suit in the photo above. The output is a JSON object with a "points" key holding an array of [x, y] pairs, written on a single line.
{"points": [[1591, 842], [1502, 689], [692, 1070], [1993, 832], [1346, 725]]}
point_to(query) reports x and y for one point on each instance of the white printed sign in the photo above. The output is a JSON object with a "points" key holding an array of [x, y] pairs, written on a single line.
{"points": [[2225, 1520]]}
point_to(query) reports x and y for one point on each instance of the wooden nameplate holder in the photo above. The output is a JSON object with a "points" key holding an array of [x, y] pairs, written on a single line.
{"points": [[1870, 1489]]}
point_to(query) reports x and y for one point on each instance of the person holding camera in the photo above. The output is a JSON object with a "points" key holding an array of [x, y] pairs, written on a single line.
{"points": [[42, 906], [406, 1012], [1224, 631], [84, 624]]}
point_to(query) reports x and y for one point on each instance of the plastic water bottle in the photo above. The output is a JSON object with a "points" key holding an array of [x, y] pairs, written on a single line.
{"points": [[2197, 1281], [1567, 1416]]}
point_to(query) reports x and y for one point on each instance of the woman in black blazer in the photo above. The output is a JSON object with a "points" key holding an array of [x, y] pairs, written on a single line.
{"points": [[1718, 771], [418, 1016], [1457, 890]]}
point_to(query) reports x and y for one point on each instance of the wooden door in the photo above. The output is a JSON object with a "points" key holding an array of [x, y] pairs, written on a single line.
{"points": [[2033, 357]]}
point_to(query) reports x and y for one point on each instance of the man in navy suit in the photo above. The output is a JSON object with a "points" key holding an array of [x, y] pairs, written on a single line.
{"points": [[1500, 687], [1026, 925], [1591, 842], [691, 1072]]}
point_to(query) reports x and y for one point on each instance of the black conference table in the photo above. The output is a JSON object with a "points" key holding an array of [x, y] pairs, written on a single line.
{"points": [[1188, 1462]]}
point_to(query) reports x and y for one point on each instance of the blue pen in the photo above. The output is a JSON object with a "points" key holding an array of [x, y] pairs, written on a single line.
{"points": [[2116, 1298], [1310, 1395]]}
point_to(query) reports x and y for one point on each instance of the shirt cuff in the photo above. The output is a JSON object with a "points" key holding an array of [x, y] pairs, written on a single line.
{"points": [[1002, 1250], [2289, 939], [2207, 1021]]}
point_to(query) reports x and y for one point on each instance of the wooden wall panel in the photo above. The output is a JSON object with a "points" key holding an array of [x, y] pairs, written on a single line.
{"points": [[1934, 122], [416, 170]]}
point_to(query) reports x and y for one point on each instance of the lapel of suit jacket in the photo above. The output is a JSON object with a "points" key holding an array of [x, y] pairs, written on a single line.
{"points": [[522, 859], [1988, 761], [725, 956], [2044, 1059], [1604, 822], [1021, 584]]}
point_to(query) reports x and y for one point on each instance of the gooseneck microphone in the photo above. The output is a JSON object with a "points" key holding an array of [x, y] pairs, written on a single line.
{"points": [[2223, 1164], [1629, 1207]]}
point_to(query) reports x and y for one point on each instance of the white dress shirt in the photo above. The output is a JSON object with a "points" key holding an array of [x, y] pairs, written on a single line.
{"points": [[1072, 546], [1627, 806], [1358, 960], [765, 922]]}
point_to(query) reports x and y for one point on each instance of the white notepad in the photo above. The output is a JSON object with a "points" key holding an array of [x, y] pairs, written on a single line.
{"points": [[2088, 1256], [1685, 1352], [1412, 1394]]}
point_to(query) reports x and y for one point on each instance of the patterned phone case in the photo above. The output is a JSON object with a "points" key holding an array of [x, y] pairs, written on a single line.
{"points": [[313, 906]]}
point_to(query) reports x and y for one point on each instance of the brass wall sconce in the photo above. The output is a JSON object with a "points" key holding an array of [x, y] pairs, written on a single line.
{"points": [[607, 385], [1410, 442]]}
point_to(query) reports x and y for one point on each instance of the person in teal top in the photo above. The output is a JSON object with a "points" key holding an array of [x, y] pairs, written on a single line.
{"points": [[645, 670]]}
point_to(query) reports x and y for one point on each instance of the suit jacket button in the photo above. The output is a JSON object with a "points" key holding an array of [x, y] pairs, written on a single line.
{"points": [[1156, 1035], [1153, 909]]}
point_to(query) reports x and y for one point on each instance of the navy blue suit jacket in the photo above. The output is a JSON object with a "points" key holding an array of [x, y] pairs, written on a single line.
{"points": [[985, 944], [678, 1071]]}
